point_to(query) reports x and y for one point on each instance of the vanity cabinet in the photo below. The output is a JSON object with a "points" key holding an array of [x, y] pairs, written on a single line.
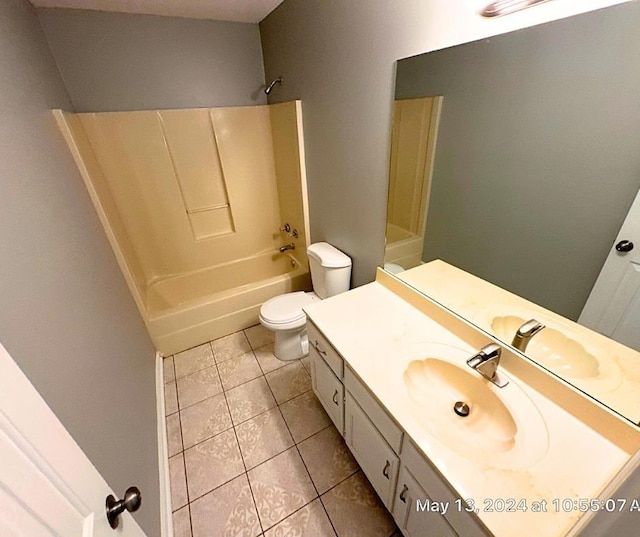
{"points": [[411, 521], [399, 474], [322, 347], [376, 458], [418, 480], [328, 388]]}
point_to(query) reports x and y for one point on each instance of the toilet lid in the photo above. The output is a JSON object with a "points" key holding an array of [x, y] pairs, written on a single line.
{"points": [[287, 308]]}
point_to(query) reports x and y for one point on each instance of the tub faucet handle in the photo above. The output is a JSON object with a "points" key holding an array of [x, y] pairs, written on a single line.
{"points": [[286, 228], [286, 247]]}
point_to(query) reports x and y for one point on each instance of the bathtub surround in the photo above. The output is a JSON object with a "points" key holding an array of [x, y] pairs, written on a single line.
{"points": [[259, 454], [66, 316], [117, 61], [193, 202]]}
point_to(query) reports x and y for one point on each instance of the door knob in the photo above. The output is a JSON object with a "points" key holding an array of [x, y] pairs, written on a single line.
{"points": [[131, 502], [624, 246]]}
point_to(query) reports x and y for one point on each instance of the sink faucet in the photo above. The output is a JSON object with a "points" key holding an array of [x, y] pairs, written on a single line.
{"points": [[525, 333], [286, 247], [486, 363]]}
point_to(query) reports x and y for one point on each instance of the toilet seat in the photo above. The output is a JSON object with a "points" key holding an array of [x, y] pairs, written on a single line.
{"points": [[284, 312]]}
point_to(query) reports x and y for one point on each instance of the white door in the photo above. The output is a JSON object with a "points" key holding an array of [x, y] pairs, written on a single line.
{"points": [[48, 487], [613, 307]]}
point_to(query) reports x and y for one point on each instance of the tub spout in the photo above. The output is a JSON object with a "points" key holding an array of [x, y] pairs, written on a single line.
{"points": [[286, 247]]}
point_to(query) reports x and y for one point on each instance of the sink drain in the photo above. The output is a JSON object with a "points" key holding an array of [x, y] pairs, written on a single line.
{"points": [[462, 409]]}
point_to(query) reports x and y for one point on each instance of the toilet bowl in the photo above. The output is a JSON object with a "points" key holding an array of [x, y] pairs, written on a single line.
{"points": [[330, 275]]}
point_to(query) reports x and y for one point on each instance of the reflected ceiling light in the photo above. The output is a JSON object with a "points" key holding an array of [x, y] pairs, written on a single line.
{"points": [[504, 7]]}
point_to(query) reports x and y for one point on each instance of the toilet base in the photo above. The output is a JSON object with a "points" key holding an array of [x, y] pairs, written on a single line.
{"points": [[291, 344]]}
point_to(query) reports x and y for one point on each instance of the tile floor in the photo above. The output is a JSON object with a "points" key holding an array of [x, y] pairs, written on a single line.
{"points": [[252, 452]]}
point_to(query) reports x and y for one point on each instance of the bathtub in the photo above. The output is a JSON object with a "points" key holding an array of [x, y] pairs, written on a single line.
{"points": [[190, 309]]}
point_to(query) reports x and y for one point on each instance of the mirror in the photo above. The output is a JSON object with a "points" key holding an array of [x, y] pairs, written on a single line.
{"points": [[537, 159]]}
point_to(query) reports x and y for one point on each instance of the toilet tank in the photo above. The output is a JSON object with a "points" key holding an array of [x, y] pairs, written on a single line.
{"points": [[330, 269]]}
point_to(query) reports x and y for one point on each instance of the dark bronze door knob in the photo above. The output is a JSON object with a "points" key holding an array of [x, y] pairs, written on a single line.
{"points": [[624, 246], [131, 502]]}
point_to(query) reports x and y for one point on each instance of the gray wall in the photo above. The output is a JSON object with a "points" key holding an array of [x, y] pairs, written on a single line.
{"points": [[537, 158], [339, 57], [66, 315], [114, 61]]}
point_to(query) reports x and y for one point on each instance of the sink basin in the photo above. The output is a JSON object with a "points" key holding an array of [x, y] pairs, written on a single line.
{"points": [[559, 347], [551, 347], [503, 427]]}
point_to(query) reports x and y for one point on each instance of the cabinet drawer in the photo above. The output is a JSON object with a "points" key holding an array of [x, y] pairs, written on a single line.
{"points": [[413, 521], [378, 461], [439, 490], [328, 388], [384, 423], [324, 349]]}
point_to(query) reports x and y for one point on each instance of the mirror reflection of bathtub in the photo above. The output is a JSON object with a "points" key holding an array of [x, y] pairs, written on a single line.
{"points": [[196, 204], [413, 143]]}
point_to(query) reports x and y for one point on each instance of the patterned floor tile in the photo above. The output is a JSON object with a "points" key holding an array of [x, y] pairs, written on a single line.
{"points": [[198, 386], [267, 360], [356, 511], [250, 399], [174, 435], [204, 420], [229, 346], [281, 486], [212, 463], [310, 521], [178, 481], [228, 510], [289, 381], [169, 372], [304, 416], [170, 398], [259, 336], [328, 459], [239, 370], [182, 523], [225, 383], [262, 437], [193, 360]]}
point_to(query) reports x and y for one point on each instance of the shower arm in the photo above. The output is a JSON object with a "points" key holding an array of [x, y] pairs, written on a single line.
{"points": [[268, 89]]}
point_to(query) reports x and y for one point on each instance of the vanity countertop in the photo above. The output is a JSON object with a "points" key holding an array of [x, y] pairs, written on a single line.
{"points": [[377, 332]]}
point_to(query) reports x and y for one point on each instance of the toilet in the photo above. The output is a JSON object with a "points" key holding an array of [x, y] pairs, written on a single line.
{"points": [[330, 275]]}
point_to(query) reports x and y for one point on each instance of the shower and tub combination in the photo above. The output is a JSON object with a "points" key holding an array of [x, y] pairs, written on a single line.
{"points": [[197, 205]]}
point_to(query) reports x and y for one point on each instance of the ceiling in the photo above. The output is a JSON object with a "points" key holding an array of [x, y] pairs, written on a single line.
{"points": [[225, 10]]}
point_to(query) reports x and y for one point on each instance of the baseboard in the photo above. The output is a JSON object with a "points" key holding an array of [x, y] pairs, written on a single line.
{"points": [[166, 518]]}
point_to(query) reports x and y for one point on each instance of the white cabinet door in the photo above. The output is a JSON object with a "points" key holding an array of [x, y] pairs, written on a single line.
{"points": [[48, 487], [409, 513], [328, 388], [375, 456]]}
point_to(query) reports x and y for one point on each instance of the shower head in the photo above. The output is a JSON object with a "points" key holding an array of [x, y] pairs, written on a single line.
{"points": [[268, 89]]}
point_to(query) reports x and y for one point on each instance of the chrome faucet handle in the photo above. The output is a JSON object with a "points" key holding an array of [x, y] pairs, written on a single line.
{"points": [[286, 228], [486, 363], [491, 351], [525, 333], [530, 328]]}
